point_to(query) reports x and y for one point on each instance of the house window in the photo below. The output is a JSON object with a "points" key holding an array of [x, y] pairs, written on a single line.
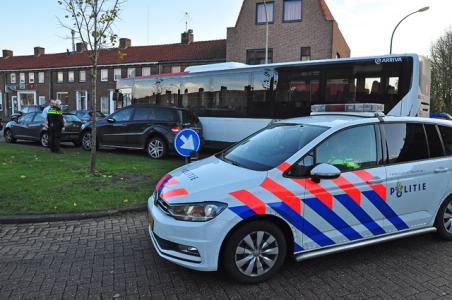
{"points": [[257, 56], [82, 76], [31, 77], [1, 102], [104, 101], [175, 69], [117, 74], [70, 76], [63, 96], [60, 77], [104, 75], [146, 71], [131, 72], [42, 100], [22, 78], [81, 100], [305, 53], [261, 9], [41, 77], [12, 78], [292, 10]]}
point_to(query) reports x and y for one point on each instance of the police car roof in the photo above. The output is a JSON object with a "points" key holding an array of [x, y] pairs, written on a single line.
{"points": [[333, 120]]}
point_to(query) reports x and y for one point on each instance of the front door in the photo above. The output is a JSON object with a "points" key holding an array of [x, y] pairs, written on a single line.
{"points": [[417, 172], [350, 207], [26, 99], [115, 133]]}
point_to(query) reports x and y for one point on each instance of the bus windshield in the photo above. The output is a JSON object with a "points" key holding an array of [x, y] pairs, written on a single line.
{"points": [[271, 146]]}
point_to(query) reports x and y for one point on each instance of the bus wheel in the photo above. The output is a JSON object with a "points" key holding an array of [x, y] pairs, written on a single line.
{"points": [[254, 252]]}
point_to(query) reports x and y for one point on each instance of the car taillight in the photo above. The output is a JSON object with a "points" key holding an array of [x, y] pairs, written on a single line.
{"points": [[176, 129]]}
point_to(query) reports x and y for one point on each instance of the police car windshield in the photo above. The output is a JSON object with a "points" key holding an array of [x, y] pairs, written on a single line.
{"points": [[271, 146]]}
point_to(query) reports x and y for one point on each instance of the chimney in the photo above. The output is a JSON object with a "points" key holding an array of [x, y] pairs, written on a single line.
{"points": [[39, 51], [7, 53], [187, 37], [80, 47], [125, 43]]}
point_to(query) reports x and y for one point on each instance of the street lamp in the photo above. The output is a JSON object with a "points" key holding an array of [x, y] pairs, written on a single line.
{"points": [[417, 11], [266, 32]]}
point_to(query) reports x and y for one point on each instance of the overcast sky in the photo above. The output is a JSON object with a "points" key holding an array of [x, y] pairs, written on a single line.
{"points": [[366, 24]]}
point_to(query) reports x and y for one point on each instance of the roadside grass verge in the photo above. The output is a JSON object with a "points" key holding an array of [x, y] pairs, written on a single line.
{"points": [[35, 181]]}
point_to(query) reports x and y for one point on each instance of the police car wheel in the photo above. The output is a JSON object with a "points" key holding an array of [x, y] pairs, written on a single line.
{"points": [[254, 252], [44, 139], [9, 138], [443, 222], [156, 148]]}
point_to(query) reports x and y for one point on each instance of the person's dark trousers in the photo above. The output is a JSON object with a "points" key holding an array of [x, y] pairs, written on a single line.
{"points": [[57, 140], [51, 141]]}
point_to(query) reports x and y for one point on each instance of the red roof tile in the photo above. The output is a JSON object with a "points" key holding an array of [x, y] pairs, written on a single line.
{"points": [[207, 50]]}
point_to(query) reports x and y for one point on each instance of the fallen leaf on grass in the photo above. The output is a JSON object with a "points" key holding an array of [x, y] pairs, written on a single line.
{"points": [[126, 200], [23, 177]]}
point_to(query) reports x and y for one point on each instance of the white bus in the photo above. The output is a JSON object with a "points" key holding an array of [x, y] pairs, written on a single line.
{"points": [[234, 100]]}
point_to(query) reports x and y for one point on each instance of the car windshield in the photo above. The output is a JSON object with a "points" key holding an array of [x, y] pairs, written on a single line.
{"points": [[71, 118], [271, 146]]}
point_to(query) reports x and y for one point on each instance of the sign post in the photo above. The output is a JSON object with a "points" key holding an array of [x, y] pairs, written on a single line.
{"points": [[186, 142]]}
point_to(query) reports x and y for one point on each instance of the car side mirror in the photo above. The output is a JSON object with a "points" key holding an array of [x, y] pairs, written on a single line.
{"points": [[324, 171], [111, 120]]}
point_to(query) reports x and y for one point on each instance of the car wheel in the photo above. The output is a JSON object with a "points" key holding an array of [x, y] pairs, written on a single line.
{"points": [[86, 141], [156, 148], [45, 139], [254, 252], [9, 138], [443, 222]]}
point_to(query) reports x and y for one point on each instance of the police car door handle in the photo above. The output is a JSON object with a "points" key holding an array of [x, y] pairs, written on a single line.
{"points": [[375, 180], [441, 170]]}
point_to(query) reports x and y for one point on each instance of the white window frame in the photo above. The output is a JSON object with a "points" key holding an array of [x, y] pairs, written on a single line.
{"points": [[107, 101], [62, 77], [14, 101], [131, 72], [117, 74], [58, 97], [82, 78], [1, 101], [31, 77], [42, 100], [41, 77], [81, 96], [71, 76], [21, 77], [12, 78], [146, 71], [104, 75]]}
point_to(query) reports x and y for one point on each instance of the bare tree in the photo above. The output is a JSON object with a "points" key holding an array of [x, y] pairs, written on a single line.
{"points": [[92, 21], [441, 57]]}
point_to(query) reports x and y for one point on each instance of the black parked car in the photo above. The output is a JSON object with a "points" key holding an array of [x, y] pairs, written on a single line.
{"points": [[148, 127], [32, 127], [86, 115]]}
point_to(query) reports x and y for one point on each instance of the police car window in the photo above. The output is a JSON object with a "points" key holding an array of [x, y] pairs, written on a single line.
{"points": [[434, 142], [123, 115], [271, 146], [446, 134], [405, 142], [351, 149]]}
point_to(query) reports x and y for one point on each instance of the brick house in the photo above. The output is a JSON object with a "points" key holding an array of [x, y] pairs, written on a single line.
{"points": [[34, 79], [298, 30]]}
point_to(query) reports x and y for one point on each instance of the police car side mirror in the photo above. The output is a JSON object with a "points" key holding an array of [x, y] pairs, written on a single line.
{"points": [[324, 171]]}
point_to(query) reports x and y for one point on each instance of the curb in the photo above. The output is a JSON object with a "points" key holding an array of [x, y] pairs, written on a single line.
{"points": [[24, 219]]}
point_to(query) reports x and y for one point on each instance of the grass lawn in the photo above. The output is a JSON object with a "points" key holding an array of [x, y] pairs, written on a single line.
{"points": [[35, 181]]}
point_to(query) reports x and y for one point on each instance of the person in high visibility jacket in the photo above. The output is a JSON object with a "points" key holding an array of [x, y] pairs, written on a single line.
{"points": [[55, 123]]}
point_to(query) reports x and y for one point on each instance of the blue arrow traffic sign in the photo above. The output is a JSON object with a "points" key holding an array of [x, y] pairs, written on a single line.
{"points": [[186, 142]]}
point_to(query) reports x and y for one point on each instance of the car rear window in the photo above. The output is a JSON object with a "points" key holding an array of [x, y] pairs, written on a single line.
{"points": [[446, 134], [165, 114]]}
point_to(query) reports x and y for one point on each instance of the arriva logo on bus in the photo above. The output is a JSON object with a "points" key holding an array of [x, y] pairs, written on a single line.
{"points": [[379, 61]]}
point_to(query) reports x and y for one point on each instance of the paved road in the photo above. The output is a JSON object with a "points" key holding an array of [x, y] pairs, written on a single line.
{"points": [[113, 258]]}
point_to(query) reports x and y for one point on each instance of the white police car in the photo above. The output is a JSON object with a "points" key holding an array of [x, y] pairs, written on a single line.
{"points": [[305, 187]]}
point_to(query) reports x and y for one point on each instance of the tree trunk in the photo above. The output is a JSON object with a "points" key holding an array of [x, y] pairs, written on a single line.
{"points": [[94, 119]]}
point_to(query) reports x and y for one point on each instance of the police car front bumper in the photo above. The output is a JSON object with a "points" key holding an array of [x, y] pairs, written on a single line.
{"points": [[194, 245]]}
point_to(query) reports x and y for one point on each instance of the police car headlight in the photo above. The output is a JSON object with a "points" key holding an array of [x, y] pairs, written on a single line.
{"points": [[196, 212]]}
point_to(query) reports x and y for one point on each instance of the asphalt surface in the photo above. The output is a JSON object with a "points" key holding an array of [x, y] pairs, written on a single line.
{"points": [[113, 258]]}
